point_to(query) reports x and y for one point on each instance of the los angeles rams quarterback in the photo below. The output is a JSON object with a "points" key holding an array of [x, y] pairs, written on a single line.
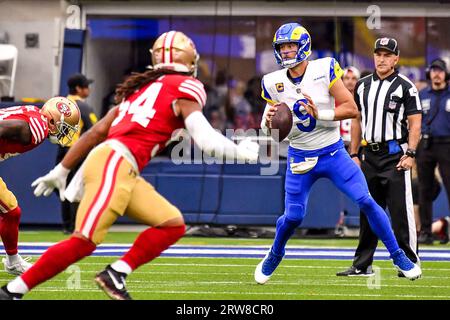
{"points": [[316, 150]]}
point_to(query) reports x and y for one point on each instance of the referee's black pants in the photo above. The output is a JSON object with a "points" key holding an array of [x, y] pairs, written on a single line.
{"points": [[429, 155], [392, 189]]}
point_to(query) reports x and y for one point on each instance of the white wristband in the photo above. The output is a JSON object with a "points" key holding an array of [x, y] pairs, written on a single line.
{"points": [[325, 115]]}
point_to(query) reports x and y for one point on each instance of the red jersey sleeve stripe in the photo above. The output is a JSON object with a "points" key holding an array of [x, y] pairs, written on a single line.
{"points": [[198, 84], [193, 94], [200, 93], [41, 129], [34, 131]]}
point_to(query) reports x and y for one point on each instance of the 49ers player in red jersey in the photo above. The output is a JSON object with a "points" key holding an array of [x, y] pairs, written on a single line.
{"points": [[23, 128], [152, 106]]}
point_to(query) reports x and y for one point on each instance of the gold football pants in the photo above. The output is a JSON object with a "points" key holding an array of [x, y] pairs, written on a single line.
{"points": [[113, 188], [8, 201]]}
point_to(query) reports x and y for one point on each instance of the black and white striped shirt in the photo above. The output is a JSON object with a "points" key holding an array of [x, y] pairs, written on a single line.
{"points": [[385, 105]]}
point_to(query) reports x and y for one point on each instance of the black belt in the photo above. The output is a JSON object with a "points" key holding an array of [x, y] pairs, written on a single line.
{"points": [[381, 146]]}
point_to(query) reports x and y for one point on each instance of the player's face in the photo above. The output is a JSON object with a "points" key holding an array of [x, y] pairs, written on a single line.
{"points": [[437, 76], [384, 61], [288, 50], [350, 81], [51, 125]]}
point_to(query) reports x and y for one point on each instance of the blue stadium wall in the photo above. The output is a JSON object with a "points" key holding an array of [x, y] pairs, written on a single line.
{"points": [[206, 194]]}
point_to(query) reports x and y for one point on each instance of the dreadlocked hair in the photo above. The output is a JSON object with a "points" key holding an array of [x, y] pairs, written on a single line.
{"points": [[137, 80]]}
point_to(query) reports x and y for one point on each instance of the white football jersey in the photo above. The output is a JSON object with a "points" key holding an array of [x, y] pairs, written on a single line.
{"points": [[307, 133]]}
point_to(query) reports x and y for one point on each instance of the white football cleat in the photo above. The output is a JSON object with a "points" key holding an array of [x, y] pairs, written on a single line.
{"points": [[19, 267], [413, 274], [403, 264], [260, 277], [266, 267]]}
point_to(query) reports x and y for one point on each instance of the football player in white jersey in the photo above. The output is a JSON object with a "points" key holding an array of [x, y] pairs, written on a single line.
{"points": [[316, 150]]}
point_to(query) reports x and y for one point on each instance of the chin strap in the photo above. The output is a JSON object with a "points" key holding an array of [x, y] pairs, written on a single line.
{"points": [[289, 63], [173, 66], [53, 139]]}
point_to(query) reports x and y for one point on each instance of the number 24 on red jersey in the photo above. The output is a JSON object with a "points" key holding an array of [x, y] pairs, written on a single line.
{"points": [[142, 108]]}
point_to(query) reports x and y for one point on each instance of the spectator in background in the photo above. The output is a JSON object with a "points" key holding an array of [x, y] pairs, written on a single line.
{"points": [[220, 107], [350, 77], [242, 108], [247, 108], [253, 96], [440, 228], [217, 119], [78, 91], [213, 99], [434, 146], [365, 73], [421, 84]]}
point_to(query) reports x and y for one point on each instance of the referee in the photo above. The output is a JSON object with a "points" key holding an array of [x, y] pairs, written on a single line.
{"points": [[389, 125]]}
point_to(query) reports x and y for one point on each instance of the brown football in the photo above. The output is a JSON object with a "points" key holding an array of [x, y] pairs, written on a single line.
{"points": [[281, 122]]}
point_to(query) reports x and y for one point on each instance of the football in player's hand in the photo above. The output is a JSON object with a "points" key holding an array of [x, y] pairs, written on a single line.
{"points": [[281, 123]]}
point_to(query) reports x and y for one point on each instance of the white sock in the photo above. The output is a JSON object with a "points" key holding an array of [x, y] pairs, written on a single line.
{"points": [[17, 286], [121, 266], [15, 258]]}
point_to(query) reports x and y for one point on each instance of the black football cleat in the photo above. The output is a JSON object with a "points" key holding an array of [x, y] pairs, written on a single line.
{"points": [[6, 295], [355, 272], [113, 283]]}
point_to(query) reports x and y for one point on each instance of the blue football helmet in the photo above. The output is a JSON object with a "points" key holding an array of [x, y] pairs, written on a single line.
{"points": [[295, 33]]}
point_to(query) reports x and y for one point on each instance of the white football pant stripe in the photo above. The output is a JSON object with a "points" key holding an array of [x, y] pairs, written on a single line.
{"points": [[106, 189]]}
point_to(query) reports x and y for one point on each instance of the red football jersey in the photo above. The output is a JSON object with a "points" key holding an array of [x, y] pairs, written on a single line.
{"points": [[38, 127], [146, 120], [345, 127]]}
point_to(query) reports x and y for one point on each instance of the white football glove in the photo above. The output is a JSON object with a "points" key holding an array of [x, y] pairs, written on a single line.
{"points": [[248, 150], [56, 178]]}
